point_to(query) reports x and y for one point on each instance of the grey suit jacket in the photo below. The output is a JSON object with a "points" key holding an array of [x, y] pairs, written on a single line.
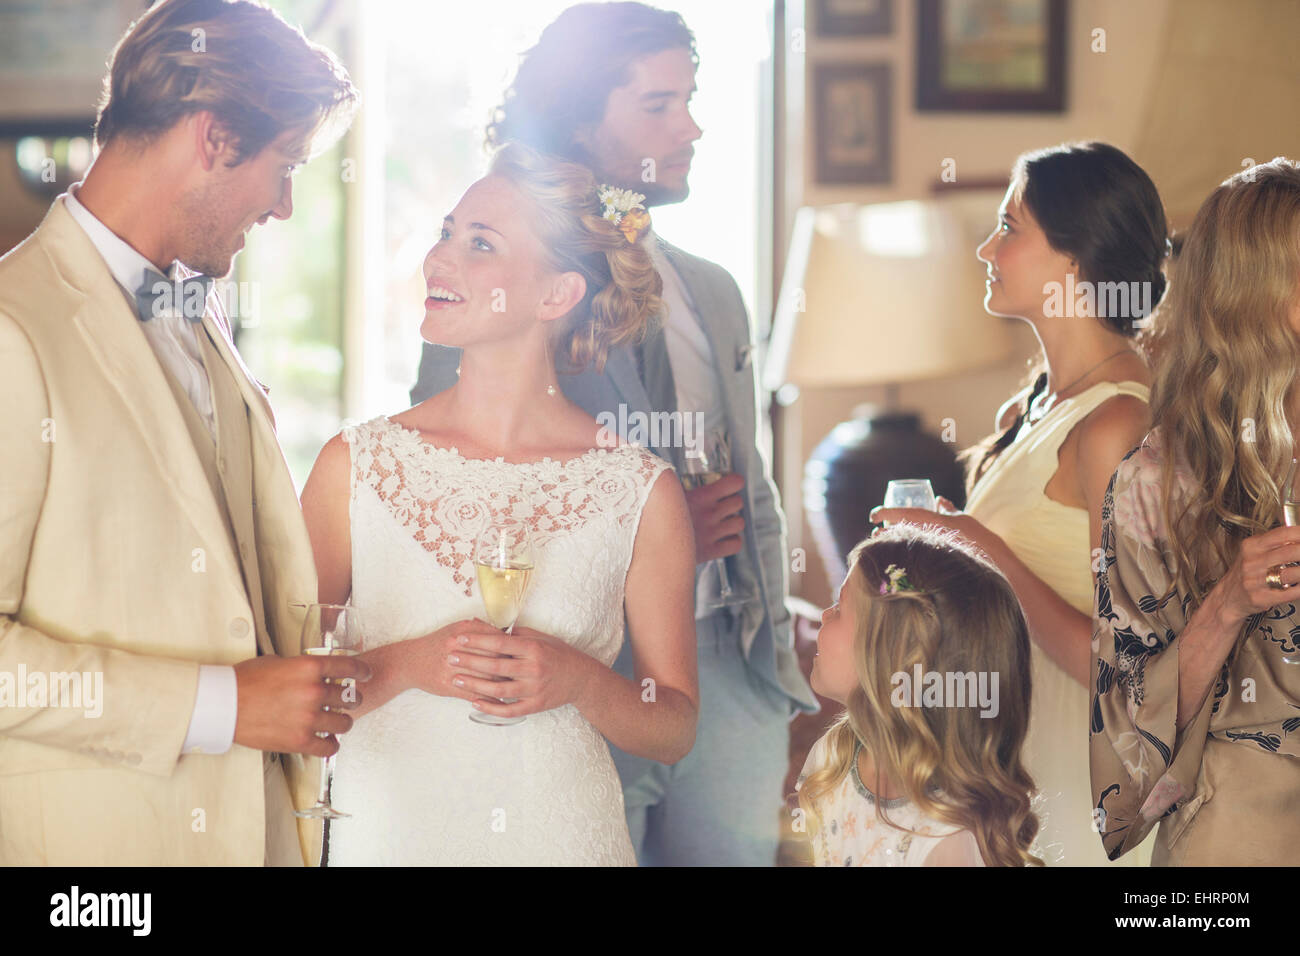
{"points": [[761, 566]]}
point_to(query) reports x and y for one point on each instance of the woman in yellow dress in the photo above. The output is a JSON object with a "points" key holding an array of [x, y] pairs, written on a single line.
{"points": [[1078, 253]]}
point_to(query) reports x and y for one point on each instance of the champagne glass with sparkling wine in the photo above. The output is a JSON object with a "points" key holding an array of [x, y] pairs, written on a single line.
{"points": [[1290, 499], [503, 561], [329, 630], [1291, 518]]}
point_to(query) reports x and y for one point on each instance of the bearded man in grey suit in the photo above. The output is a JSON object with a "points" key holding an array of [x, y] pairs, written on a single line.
{"points": [[609, 85]]}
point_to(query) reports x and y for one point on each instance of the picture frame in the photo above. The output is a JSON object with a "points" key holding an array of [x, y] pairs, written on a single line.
{"points": [[854, 18], [991, 55], [852, 129]]}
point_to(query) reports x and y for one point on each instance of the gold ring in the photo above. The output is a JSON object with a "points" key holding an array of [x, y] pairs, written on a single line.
{"points": [[1274, 578]]}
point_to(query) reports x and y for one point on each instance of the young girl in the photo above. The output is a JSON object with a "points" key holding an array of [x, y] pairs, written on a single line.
{"points": [[929, 652]]}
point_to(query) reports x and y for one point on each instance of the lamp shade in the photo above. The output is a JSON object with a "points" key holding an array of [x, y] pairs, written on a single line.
{"points": [[886, 293]]}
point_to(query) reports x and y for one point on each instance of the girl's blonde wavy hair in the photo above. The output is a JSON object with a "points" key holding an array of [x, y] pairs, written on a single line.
{"points": [[1226, 361], [954, 765], [623, 286]]}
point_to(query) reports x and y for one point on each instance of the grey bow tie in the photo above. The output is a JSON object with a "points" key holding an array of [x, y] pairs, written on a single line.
{"points": [[159, 295]]}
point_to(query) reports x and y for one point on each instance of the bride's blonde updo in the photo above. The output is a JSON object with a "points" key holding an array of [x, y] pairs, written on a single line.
{"points": [[623, 286]]}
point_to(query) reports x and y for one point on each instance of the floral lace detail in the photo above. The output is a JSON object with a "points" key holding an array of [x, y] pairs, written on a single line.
{"points": [[445, 499]]}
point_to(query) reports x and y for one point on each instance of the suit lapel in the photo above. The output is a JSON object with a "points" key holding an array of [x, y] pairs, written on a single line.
{"points": [[711, 315], [122, 352], [283, 550], [729, 344], [623, 374], [235, 472], [112, 331]]}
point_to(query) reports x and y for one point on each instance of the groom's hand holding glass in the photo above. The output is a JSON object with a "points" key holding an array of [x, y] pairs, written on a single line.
{"points": [[716, 517], [281, 702]]}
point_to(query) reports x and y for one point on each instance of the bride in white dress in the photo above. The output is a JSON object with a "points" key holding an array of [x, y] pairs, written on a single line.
{"points": [[524, 270]]}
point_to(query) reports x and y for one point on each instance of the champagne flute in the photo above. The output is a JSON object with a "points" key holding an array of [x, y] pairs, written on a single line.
{"points": [[503, 560], [703, 465], [1290, 501], [910, 493], [329, 630], [1290, 518]]}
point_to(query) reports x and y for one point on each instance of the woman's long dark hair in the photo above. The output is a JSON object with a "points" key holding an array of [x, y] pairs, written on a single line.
{"points": [[1097, 206]]}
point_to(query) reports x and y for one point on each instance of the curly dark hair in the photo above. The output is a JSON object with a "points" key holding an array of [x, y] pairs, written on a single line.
{"points": [[565, 80]]}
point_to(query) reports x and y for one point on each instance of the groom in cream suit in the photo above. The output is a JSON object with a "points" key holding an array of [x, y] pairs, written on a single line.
{"points": [[154, 705]]}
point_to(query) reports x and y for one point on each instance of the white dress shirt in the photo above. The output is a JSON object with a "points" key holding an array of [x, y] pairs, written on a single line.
{"points": [[695, 377], [173, 340]]}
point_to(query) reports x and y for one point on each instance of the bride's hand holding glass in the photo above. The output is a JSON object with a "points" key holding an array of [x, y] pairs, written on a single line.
{"points": [[425, 660], [542, 672]]}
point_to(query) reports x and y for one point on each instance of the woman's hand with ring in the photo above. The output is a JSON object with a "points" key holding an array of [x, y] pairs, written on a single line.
{"points": [[1246, 588]]}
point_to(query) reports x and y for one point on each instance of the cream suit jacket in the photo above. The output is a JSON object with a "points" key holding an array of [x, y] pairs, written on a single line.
{"points": [[115, 560]]}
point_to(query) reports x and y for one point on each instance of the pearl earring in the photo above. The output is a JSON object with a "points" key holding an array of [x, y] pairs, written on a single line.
{"points": [[550, 389]]}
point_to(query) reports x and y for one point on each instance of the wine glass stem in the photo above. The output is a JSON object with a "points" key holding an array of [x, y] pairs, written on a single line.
{"points": [[724, 581], [327, 769]]}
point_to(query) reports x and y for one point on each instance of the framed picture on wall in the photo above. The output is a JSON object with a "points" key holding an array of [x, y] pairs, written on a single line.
{"points": [[999, 55], [854, 18], [852, 137]]}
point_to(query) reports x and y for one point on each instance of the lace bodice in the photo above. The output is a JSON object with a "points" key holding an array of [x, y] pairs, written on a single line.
{"points": [[426, 784], [582, 515]]}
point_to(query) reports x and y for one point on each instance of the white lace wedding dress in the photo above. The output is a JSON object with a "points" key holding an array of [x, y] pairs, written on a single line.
{"points": [[426, 785]]}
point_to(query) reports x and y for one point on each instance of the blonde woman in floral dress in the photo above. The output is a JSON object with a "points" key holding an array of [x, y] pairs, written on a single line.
{"points": [[1196, 707]]}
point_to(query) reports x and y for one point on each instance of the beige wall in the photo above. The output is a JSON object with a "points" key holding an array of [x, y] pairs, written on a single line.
{"points": [[1107, 94]]}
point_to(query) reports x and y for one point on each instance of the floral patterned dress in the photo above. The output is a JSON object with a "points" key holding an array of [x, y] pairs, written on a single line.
{"points": [[1226, 790]]}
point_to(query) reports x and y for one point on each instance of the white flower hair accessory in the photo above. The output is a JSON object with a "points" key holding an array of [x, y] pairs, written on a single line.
{"points": [[895, 580], [623, 208]]}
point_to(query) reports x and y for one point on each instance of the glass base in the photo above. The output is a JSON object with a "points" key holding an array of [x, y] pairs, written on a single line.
{"points": [[321, 812], [492, 720]]}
